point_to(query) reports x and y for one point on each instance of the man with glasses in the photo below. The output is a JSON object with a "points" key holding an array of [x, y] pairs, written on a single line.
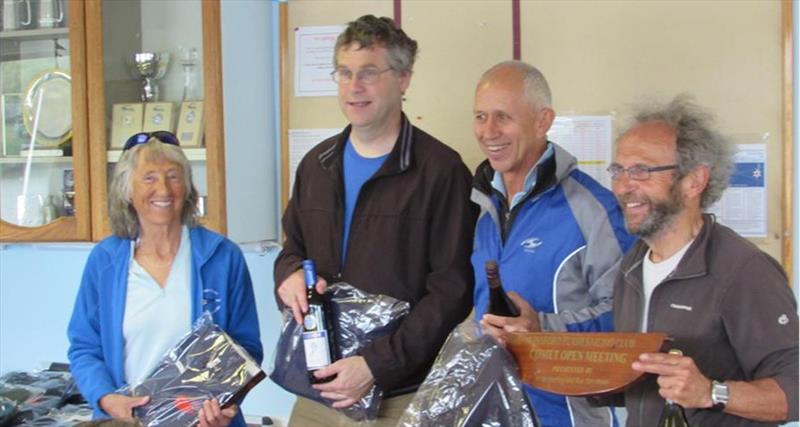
{"points": [[556, 234], [384, 207], [725, 303]]}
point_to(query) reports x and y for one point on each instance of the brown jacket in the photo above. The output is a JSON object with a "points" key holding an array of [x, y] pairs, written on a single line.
{"points": [[410, 238], [728, 306]]}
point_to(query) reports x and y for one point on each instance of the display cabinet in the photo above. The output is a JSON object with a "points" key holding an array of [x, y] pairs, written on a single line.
{"points": [[156, 66], [82, 80], [44, 182]]}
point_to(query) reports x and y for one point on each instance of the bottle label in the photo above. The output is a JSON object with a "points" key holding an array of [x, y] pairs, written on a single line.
{"points": [[310, 322], [317, 351]]}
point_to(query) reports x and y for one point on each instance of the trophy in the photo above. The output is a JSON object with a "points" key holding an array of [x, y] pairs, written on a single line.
{"points": [[188, 59], [149, 67]]}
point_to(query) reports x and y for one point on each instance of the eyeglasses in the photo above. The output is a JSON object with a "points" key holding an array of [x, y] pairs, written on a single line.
{"points": [[637, 172], [366, 76], [142, 137]]}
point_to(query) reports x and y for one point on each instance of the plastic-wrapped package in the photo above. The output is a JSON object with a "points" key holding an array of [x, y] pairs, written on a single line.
{"points": [[66, 416], [473, 383], [36, 393], [358, 319], [8, 410], [207, 363], [109, 422]]}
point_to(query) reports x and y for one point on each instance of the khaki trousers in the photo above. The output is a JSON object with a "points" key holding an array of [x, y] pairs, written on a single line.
{"points": [[308, 413]]}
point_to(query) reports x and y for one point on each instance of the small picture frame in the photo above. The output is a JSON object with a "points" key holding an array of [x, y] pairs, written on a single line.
{"points": [[126, 119], [190, 124], [158, 116], [13, 130]]}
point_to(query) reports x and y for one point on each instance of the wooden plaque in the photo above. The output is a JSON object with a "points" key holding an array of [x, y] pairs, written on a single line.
{"points": [[581, 364]]}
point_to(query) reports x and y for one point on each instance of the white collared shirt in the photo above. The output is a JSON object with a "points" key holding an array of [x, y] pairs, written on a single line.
{"points": [[530, 179]]}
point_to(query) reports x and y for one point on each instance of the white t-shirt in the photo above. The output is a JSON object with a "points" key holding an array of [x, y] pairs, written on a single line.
{"points": [[156, 318], [655, 273]]}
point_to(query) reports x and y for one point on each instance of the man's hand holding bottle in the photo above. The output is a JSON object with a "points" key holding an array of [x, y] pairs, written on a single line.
{"points": [[500, 327], [292, 293]]}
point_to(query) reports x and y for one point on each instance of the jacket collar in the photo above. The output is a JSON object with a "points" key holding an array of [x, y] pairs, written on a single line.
{"points": [[694, 262], [204, 244], [400, 158], [550, 172]]}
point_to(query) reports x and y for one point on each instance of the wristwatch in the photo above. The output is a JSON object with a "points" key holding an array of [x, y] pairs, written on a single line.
{"points": [[719, 395]]}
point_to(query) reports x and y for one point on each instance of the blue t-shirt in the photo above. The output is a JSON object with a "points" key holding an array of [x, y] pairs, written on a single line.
{"points": [[357, 170]]}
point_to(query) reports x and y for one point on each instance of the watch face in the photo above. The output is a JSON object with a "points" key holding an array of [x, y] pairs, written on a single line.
{"points": [[719, 395]]}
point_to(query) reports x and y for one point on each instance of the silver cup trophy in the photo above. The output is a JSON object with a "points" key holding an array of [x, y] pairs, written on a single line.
{"points": [[149, 67]]}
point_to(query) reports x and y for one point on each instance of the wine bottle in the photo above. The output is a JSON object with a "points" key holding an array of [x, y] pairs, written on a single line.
{"points": [[499, 303], [318, 340], [672, 415]]}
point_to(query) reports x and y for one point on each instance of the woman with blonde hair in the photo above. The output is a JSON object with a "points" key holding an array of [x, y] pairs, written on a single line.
{"points": [[144, 286]]}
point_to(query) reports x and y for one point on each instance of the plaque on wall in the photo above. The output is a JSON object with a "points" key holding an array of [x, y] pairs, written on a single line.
{"points": [[581, 364], [158, 116], [190, 124], [126, 120]]}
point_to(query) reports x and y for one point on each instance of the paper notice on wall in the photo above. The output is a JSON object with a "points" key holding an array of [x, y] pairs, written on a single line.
{"points": [[589, 139], [743, 206], [301, 141], [314, 60]]}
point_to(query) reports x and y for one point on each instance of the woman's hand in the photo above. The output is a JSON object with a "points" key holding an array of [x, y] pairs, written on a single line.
{"points": [[120, 406], [211, 415]]}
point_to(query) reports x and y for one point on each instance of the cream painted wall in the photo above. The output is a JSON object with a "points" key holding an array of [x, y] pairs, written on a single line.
{"points": [[323, 112], [599, 56]]}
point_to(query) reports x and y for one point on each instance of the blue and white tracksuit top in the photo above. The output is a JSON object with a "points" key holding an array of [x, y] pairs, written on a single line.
{"points": [[559, 248]]}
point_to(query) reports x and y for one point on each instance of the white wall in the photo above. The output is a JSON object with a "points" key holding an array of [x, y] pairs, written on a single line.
{"points": [[249, 69]]}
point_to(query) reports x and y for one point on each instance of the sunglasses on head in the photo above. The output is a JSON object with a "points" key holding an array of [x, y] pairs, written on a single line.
{"points": [[142, 137]]}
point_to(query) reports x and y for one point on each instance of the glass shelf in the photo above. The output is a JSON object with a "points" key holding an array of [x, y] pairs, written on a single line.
{"points": [[21, 160], [35, 34]]}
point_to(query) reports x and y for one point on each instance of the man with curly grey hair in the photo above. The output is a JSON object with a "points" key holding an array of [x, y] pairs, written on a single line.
{"points": [[725, 303]]}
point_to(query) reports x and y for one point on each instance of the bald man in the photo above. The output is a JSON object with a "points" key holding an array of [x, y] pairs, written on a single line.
{"points": [[556, 233]]}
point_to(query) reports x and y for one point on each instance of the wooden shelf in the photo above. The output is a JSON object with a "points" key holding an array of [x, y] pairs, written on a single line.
{"points": [[35, 34], [193, 154]]}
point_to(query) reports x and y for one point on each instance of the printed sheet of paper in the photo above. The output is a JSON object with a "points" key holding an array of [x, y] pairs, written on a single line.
{"points": [[314, 60], [589, 139], [301, 141], [743, 206]]}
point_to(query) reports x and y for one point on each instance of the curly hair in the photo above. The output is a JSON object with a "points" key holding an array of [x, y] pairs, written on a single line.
{"points": [[369, 31], [122, 216], [698, 142]]}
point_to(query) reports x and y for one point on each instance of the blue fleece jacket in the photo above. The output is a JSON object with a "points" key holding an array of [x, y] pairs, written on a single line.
{"points": [[96, 351]]}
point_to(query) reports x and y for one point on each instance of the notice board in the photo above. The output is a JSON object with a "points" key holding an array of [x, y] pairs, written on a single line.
{"points": [[600, 58]]}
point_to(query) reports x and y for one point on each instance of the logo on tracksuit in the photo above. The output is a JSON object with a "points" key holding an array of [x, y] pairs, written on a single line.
{"points": [[530, 244]]}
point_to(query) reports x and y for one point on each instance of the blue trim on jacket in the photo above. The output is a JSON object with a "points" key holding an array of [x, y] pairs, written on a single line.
{"points": [[96, 351]]}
